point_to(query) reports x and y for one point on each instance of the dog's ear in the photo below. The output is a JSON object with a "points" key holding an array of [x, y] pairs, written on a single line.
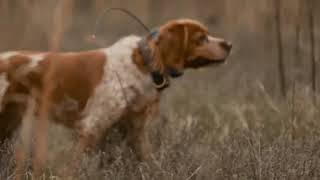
{"points": [[169, 49], [156, 63]]}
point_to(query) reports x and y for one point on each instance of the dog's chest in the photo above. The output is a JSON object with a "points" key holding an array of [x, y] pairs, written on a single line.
{"points": [[123, 87]]}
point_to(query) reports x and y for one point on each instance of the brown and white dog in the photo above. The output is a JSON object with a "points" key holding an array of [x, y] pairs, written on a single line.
{"points": [[91, 91]]}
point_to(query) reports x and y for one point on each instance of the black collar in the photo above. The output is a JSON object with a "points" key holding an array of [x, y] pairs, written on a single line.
{"points": [[161, 82]]}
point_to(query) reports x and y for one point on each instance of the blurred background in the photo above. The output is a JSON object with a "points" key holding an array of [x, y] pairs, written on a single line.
{"points": [[251, 25], [256, 117]]}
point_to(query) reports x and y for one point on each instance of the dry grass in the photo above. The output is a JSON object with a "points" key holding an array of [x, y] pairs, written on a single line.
{"points": [[253, 136], [217, 124]]}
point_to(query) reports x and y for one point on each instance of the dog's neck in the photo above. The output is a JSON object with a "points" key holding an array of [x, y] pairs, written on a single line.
{"points": [[160, 80]]}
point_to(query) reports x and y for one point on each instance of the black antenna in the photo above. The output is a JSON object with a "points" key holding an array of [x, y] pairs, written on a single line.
{"points": [[121, 10]]}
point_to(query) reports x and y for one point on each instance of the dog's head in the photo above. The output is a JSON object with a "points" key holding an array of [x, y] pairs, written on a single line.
{"points": [[182, 44]]}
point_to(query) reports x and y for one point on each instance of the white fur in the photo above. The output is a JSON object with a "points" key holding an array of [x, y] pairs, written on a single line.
{"points": [[35, 59], [214, 39], [3, 87], [7, 55], [123, 87], [4, 84]]}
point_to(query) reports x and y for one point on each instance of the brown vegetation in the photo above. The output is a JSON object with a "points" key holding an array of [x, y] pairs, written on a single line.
{"points": [[225, 123]]}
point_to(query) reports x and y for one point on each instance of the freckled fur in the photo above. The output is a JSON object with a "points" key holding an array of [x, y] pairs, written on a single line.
{"points": [[122, 87]]}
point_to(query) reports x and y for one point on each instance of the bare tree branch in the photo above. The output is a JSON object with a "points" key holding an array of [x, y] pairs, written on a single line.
{"points": [[61, 21], [312, 44], [281, 69]]}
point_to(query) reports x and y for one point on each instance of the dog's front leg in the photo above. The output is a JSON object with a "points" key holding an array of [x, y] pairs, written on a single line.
{"points": [[139, 141], [137, 135], [88, 141]]}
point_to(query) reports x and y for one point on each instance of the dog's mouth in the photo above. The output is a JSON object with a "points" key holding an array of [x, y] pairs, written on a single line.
{"points": [[203, 62]]}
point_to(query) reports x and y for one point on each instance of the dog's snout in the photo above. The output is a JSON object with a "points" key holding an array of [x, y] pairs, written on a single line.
{"points": [[226, 45]]}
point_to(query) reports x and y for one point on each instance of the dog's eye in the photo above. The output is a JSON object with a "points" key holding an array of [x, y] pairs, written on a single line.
{"points": [[203, 39]]}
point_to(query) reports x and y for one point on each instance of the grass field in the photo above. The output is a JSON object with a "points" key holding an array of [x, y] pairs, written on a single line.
{"points": [[206, 134]]}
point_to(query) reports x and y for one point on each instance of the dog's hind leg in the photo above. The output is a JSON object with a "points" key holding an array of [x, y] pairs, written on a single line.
{"points": [[10, 120]]}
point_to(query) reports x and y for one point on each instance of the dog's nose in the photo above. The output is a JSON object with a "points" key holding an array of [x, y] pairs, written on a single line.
{"points": [[226, 45]]}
